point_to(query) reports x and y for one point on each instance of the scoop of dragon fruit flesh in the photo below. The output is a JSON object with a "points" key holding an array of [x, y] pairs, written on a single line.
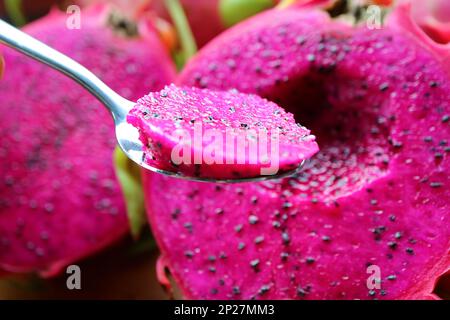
{"points": [[58, 202], [219, 135], [368, 216]]}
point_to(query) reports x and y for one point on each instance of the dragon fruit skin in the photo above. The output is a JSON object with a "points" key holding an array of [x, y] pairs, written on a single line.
{"points": [[376, 195], [59, 201], [433, 16]]}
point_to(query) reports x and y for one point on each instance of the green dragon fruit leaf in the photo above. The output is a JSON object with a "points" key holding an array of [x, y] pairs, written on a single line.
{"points": [[234, 11], [128, 175]]}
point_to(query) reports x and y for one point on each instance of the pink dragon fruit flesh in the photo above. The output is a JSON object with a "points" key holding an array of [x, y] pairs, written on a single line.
{"points": [[212, 134], [59, 202], [368, 217]]}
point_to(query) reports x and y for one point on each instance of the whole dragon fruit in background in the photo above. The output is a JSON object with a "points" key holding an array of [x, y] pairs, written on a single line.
{"points": [[59, 197], [368, 216]]}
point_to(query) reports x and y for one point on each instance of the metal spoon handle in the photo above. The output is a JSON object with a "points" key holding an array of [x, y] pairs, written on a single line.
{"points": [[18, 40]]}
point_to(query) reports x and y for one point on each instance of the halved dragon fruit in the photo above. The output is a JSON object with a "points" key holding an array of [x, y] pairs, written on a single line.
{"points": [[433, 16], [219, 135], [59, 202], [368, 216]]}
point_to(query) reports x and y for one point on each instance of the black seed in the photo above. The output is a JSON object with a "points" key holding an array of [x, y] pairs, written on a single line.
{"points": [[212, 269], [392, 244], [398, 235], [219, 211], [276, 224], [189, 254], [383, 292], [259, 239], [238, 228], [384, 86], [379, 230], [428, 139], [392, 218], [326, 239], [301, 292], [392, 277], [253, 219], [264, 289], [327, 68], [49, 207], [286, 238], [231, 63], [244, 125], [438, 155], [222, 255], [434, 84], [284, 256], [254, 200], [254, 263], [372, 293], [287, 205], [275, 64], [203, 83], [188, 226], [435, 184], [445, 118], [397, 144], [164, 94], [310, 260], [175, 213], [311, 57], [409, 251], [214, 291], [241, 246], [236, 290], [300, 40]]}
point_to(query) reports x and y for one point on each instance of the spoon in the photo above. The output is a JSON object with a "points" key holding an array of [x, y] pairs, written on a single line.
{"points": [[119, 107]]}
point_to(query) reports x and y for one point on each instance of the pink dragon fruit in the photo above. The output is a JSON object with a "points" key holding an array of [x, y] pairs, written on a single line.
{"points": [[368, 216], [59, 202], [211, 134], [433, 16]]}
